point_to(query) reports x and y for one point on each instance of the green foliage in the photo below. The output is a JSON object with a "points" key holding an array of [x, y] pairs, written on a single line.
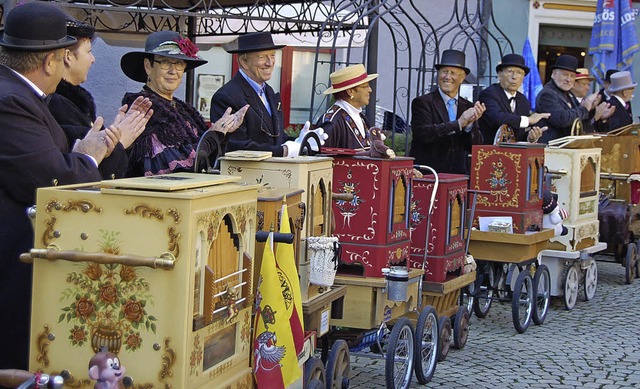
{"points": [[398, 142]]}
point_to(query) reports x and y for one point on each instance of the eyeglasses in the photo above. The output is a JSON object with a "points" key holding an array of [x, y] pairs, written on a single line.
{"points": [[514, 72], [451, 73], [166, 64]]}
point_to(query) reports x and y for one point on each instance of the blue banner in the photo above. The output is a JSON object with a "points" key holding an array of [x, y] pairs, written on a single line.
{"points": [[532, 83], [613, 38]]}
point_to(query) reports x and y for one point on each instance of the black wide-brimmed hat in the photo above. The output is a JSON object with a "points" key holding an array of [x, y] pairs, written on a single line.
{"points": [[566, 62], [79, 29], [35, 26], [610, 73], [515, 60], [455, 58], [255, 41], [165, 43]]}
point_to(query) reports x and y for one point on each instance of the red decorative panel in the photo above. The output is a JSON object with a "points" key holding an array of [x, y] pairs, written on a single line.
{"points": [[372, 258], [439, 268]]}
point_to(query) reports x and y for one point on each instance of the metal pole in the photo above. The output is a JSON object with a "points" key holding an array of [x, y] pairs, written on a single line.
{"points": [[372, 65]]}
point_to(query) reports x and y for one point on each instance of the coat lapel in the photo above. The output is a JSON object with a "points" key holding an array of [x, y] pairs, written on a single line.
{"points": [[255, 103], [441, 108]]}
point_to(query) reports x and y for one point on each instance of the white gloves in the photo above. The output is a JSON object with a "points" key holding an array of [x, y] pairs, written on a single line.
{"points": [[293, 147]]}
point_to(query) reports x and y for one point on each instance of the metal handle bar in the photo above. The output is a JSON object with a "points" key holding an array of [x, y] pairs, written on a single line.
{"points": [[165, 261]]}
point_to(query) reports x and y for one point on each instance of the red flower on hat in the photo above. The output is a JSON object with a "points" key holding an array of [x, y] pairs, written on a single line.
{"points": [[188, 48]]}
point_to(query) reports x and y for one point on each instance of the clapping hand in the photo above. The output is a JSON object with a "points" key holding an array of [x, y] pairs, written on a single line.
{"points": [[472, 114], [130, 123], [229, 122], [97, 144]]}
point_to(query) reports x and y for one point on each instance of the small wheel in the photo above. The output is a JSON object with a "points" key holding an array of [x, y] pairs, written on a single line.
{"points": [[426, 345], [590, 281], [637, 260], [461, 328], [484, 292], [542, 293], [398, 365], [338, 366], [522, 302], [571, 283], [444, 327], [630, 263], [466, 297], [314, 373], [501, 289]]}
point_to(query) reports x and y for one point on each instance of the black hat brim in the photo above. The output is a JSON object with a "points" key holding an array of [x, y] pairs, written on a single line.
{"points": [[444, 65], [515, 65], [564, 68], [66, 42], [132, 64], [232, 50]]}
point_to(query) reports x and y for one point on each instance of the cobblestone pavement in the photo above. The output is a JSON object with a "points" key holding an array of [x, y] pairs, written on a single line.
{"points": [[595, 345]]}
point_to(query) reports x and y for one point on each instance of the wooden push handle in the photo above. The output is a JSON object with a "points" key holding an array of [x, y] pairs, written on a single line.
{"points": [[342, 196], [12, 378], [165, 261]]}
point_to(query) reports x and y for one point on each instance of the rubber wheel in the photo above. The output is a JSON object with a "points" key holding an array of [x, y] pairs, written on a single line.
{"points": [[426, 345], [484, 292], [542, 293], [444, 327], [466, 297], [461, 328], [590, 281], [570, 287], [315, 384], [630, 263], [398, 366], [522, 302], [338, 366], [314, 372], [637, 261]]}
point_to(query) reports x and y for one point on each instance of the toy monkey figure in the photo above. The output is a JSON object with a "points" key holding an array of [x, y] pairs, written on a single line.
{"points": [[105, 368], [378, 148]]}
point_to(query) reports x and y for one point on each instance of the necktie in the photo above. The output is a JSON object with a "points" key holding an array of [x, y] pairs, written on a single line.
{"points": [[512, 104], [451, 108], [263, 97]]}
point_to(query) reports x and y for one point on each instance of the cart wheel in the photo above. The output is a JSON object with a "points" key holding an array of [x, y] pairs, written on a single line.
{"points": [[466, 297], [591, 281], [637, 261], [500, 275], [571, 281], [398, 365], [314, 374], [630, 263], [338, 366], [426, 345], [461, 328], [542, 293], [444, 326], [522, 302], [484, 292]]}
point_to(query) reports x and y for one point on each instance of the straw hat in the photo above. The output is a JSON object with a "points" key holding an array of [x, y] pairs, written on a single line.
{"points": [[583, 73], [349, 77], [621, 81], [35, 26]]}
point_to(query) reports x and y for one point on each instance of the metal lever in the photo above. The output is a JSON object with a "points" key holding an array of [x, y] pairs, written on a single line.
{"points": [[164, 261]]}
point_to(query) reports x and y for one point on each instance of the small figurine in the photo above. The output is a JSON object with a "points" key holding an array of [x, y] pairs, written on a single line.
{"points": [[378, 148], [552, 213], [105, 368]]}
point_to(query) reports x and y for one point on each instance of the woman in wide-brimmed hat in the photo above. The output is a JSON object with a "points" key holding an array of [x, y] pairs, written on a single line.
{"points": [[168, 144], [344, 122], [74, 109]]}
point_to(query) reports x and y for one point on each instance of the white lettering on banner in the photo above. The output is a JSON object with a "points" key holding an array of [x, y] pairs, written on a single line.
{"points": [[626, 18]]}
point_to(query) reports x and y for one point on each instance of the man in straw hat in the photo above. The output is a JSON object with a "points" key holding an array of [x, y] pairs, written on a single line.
{"points": [[344, 122], [263, 123], [443, 123], [597, 117], [556, 99], [506, 105], [621, 92], [582, 85], [34, 153]]}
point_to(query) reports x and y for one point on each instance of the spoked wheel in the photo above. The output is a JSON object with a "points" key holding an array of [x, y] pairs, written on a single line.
{"points": [[314, 374], [500, 274], [542, 293], [461, 328], [630, 263], [484, 292], [637, 260], [338, 366], [466, 297], [426, 345], [398, 366], [590, 281], [444, 327], [522, 302], [571, 283]]}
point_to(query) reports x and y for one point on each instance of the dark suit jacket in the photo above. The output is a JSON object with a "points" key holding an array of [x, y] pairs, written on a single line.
{"points": [[621, 116], [34, 151], [563, 109], [438, 142], [259, 131], [499, 112]]}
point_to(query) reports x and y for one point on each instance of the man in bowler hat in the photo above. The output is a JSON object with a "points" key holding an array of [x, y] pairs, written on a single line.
{"points": [[444, 125], [556, 99], [263, 127], [506, 105], [34, 153]]}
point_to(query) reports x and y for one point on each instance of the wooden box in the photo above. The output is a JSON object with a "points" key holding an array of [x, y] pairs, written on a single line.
{"points": [[578, 187], [181, 316], [446, 232], [512, 173], [620, 154], [379, 211], [521, 221], [581, 235]]}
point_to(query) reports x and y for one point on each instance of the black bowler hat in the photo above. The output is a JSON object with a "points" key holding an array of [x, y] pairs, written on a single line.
{"points": [[35, 26], [513, 60], [453, 58], [566, 62], [256, 41], [165, 43], [609, 73]]}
